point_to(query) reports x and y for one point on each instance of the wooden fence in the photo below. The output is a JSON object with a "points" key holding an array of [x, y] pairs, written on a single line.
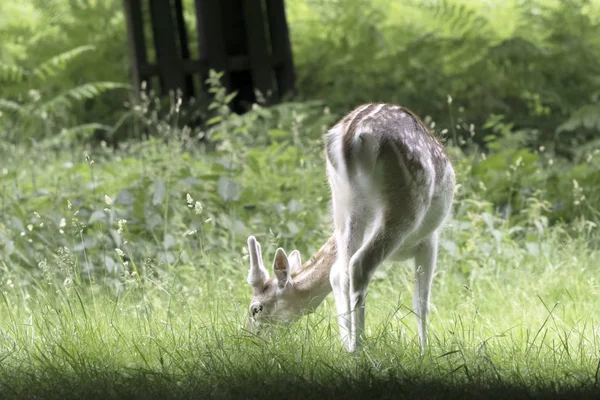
{"points": [[247, 40]]}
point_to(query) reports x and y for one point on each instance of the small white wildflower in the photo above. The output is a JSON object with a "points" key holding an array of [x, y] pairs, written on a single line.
{"points": [[41, 224], [198, 208], [22, 233], [120, 252], [542, 148], [10, 284], [29, 227], [449, 99], [34, 95], [61, 231], [517, 163], [4, 171], [36, 214], [121, 223], [444, 131], [550, 161], [62, 223], [206, 221], [69, 205], [107, 210], [108, 200], [189, 199], [191, 233]]}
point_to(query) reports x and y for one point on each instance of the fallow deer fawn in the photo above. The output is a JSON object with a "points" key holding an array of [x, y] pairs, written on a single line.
{"points": [[392, 187]]}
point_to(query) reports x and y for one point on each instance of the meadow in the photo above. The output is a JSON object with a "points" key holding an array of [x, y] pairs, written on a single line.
{"points": [[123, 262]]}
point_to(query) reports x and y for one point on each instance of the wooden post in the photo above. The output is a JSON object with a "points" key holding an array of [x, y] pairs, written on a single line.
{"points": [[188, 89], [282, 48], [209, 17], [170, 64], [263, 77], [135, 37]]}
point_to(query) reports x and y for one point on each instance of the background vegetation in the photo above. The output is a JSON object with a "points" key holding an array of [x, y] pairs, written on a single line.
{"points": [[122, 260]]}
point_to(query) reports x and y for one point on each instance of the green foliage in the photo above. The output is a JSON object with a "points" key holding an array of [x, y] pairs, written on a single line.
{"points": [[37, 114], [542, 72], [168, 194], [61, 48], [534, 62]]}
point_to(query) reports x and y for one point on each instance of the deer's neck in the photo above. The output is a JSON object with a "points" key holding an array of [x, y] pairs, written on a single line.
{"points": [[312, 279]]}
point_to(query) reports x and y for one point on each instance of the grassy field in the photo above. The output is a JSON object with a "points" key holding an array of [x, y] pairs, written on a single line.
{"points": [[123, 276]]}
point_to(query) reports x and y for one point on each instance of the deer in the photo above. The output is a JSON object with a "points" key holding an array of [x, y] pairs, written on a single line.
{"points": [[392, 188]]}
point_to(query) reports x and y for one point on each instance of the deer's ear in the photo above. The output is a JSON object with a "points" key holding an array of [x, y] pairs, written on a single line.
{"points": [[257, 275], [281, 267], [295, 260]]}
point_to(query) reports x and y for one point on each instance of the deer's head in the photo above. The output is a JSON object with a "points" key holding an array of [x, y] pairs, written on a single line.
{"points": [[275, 299]]}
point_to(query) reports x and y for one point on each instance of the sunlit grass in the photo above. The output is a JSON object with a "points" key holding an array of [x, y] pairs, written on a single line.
{"points": [[527, 327]]}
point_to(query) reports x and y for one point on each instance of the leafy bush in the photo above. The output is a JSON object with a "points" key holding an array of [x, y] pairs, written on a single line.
{"points": [[41, 113], [534, 62], [165, 202], [154, 206], [542, 73]]}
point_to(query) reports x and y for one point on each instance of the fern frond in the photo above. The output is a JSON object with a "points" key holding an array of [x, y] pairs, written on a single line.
{"points": [[91, 90], [587, 117], [458, 18], [83, 92], [10, 105], [88, 128], [12, 73], [57, 63]]}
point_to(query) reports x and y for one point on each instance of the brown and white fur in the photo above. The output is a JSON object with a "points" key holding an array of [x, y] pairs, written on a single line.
{"points": [[392, 187]]}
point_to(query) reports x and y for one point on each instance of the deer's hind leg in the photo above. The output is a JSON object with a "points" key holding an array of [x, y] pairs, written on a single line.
{"points": [[425, 260], [384, 237]]}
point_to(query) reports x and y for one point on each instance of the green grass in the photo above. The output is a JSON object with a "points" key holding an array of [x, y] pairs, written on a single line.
{"points": [[526, 329], [514, 315], [123, 274]]}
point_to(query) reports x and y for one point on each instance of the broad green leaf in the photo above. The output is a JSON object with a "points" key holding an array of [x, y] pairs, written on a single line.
{"points": [[228, 189], [277, 133], [158, 192]]}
